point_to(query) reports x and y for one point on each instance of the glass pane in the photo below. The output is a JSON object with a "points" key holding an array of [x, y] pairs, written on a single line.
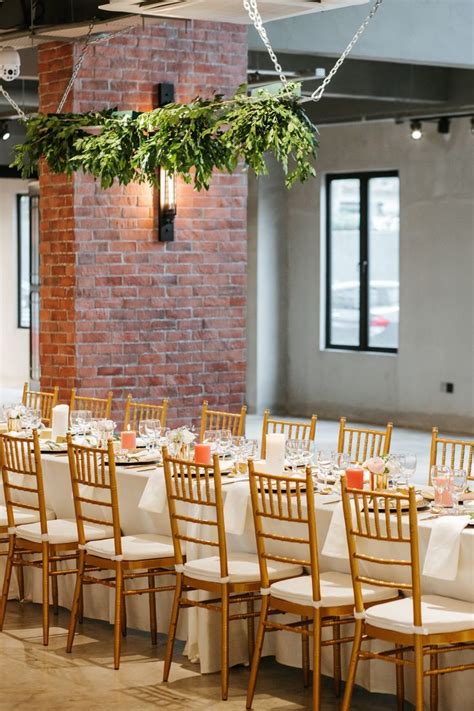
{"points": [[384, 238], [24, 261], [344, 246]]}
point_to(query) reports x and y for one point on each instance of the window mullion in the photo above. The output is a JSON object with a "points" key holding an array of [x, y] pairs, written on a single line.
{"points": [[364, 264]]}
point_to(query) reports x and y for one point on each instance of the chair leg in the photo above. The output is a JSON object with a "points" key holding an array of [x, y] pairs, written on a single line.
{"points": [[119, 610], [251, 629], [400, 680], [152, 603], [6, 580], [173, 626], [346, 701], [123, 612], [54, 587], [336, 658], [418, 673], [258, 650], [81, 607], [76, 602], [225, 641], [434, 683], [305, 656], [316, 659], [45, 573], [21, 582]]}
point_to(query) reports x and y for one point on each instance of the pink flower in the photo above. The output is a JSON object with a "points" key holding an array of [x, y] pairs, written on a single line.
{"points": [[376, 465]]}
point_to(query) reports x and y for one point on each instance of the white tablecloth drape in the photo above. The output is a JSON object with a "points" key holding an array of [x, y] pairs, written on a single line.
{"points": [[200, 628]]}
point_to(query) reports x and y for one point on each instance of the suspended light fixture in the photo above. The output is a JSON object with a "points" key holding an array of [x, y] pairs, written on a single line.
{"points": [[472, 125], [4, 131], [416, 131], [444, 126], [167, 198]]}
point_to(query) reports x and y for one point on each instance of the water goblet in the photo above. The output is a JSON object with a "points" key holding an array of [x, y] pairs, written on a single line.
{"points": [[408, 467], [293, 454], [441, 479], [225, 442], [459, 484], [324, 464], [211, 437], [340, 462]]}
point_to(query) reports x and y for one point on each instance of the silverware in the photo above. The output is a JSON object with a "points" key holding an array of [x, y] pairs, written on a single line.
{"points": [[143, 469], [336, 501]]}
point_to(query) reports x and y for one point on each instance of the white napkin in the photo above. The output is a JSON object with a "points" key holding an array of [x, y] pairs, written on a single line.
{"points": [[442, 555], [236, 506], [154, 497], [335, 545]]}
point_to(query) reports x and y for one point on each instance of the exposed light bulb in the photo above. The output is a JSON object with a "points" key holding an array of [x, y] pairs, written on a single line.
{"points": [[416, 132]]}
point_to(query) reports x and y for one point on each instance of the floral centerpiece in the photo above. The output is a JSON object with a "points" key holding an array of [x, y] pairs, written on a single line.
{"points": [[14, 415], [380, 469], [180, 440]]}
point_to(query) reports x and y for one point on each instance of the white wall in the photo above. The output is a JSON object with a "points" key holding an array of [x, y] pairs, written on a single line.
{"points": [[436, 285], [14, 341]]}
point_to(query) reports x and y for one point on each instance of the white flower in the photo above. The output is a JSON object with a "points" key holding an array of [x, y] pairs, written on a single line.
{"points": [[182, 435], [15, 412]]}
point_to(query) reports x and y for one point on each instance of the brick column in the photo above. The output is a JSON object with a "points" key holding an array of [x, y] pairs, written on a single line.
{"points": [[121, 310]]}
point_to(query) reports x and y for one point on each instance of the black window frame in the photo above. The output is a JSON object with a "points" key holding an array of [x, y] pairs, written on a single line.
{"points": [[20, 236], [363, 177]]}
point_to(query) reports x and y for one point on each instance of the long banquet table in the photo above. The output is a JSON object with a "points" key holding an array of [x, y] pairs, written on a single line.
{"points": [[198, 626]]}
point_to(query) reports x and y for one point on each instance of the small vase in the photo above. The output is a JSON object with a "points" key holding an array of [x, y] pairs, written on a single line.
{"points": [[380, 482], [182, 451], [14, 424]]}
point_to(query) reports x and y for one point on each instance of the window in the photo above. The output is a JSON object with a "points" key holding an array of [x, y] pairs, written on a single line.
{"points": [[362, 268], [24, 242]]}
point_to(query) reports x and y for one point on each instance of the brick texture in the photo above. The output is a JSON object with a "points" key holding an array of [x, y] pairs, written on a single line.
{"points": [[120, 310]]}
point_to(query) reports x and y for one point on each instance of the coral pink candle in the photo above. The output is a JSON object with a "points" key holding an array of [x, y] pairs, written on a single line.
{"points": [[355, 477], [128, 439], [202, 453]]}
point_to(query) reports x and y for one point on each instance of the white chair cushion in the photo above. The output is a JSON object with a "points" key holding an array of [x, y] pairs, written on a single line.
{"points": [[336, 590], [63, 530], [438, 614], [141, 546], [243, 568], [22, 516]]}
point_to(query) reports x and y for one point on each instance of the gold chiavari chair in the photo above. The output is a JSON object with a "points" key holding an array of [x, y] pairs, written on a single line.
{"points": [[100, 407], [455, 453], [126, 558], [220, 420], [285, 516], [32, 528], [229, 577], [361, 443], [292, 429], [427, 625], [43, 401], [137, 411]]}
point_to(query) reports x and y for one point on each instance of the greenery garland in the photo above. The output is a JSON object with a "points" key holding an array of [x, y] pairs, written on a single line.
{"points": [[190, 140]]}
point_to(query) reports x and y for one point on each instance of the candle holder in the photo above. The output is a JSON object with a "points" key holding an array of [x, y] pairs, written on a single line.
{"points": [[14, 424]]}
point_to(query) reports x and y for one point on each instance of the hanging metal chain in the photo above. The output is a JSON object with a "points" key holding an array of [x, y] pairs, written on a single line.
{"points": [[317, 94], [12, 102], [75, 71], [254, 14]]}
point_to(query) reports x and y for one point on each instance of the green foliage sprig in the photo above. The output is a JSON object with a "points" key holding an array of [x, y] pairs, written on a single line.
{"points": [[191, 140]]}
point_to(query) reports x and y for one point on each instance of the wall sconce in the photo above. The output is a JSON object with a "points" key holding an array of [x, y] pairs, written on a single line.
{"points": [[167, 205]]}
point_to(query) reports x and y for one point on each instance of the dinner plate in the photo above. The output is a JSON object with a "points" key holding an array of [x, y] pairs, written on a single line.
{"points": [[421, 503]]}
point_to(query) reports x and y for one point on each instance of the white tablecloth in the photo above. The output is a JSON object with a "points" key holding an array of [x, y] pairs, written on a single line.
{"points": [[199, 627]]}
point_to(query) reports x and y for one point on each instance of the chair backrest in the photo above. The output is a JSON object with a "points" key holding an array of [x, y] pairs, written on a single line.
{"points": [[189, 487], [375, 516], [220, 420], [94, 489], [455, 453], [289, 500], [20, 459], [292, 429], [361, 443], [100, 407], [135, 412], [39, 400]]}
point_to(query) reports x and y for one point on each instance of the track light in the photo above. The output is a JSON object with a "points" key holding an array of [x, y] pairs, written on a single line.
{"points": [[472, 125], [444, 125], [4, 131], [416, 132]]}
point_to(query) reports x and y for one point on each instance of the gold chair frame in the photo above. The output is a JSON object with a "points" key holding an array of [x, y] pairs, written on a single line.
{"points": [[39, 400], [360, 443], [221, 420], [22, 455], [457, 453], [368, 516], [95, 468], [99, 406], [292, 429], [137, 411], [190, 483]]}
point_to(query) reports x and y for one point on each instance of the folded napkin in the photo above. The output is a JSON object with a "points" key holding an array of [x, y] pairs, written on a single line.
{"points": [[153, 498], [236, 506], [442, 555], [335, 545]]}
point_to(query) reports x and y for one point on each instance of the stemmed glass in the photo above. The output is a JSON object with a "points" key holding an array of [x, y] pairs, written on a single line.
{"points": [[324, 465], [212, 438], [150, 431], [408, 467], [225, 443], [80, 421], [340, 462], [459, 483], [441, 478], [293, 453]]}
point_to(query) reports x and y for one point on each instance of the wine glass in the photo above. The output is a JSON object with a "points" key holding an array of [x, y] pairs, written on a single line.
{"points": [[441, 479], [293, 453], [340, 462], [150, 431], [408, 467], [324, 465], [459, 483], [225, 442], [211, 437]]}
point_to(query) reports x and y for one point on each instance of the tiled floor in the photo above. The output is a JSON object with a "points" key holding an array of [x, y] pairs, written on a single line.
{"points": [[37, 678]]}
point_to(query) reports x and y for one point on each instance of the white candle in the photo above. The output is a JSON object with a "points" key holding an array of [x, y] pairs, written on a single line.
{"points": [[60, 421], [275, 457]]}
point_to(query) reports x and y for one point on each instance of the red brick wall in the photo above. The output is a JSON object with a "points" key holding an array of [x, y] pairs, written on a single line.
{"points": [[121, 310]]}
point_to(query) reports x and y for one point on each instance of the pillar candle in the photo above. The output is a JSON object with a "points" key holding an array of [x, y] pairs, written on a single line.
{"points": [[202, 453], [275, 453], [59, 421], [355, 477], [128, 439]]}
